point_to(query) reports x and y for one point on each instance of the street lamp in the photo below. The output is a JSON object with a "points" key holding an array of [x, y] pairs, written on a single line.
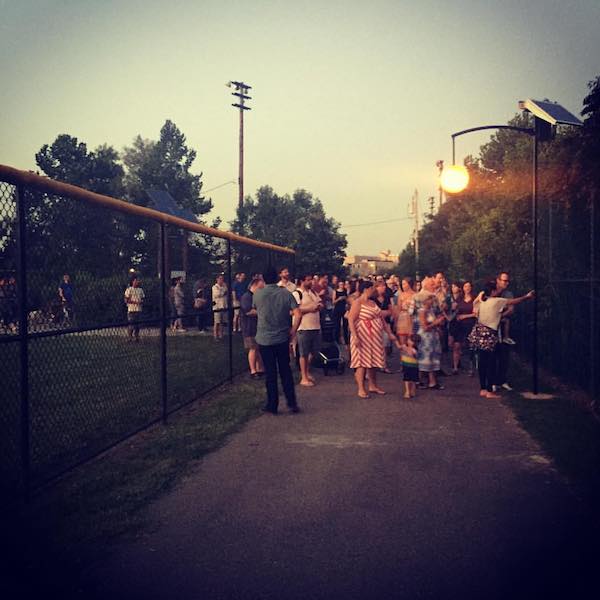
{"points": [[546, 115]]}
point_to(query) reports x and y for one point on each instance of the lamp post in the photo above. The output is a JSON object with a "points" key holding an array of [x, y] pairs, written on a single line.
{"points": [[545, 115]]}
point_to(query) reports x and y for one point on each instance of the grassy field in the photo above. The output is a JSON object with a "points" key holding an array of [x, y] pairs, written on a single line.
{"points": [[71, 523], [89, 390], [564, 427]]}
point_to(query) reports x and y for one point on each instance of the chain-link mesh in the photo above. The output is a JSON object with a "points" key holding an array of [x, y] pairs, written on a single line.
{"points": [[106, 356], [568, 291], [10, 365]]}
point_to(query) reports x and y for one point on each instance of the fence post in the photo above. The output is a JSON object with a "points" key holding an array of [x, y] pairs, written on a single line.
{"points": [[23, 339], [229, 310], [593, 325], [163, 321]]}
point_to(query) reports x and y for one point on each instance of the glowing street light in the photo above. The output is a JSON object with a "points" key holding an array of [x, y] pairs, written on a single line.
{"points": [[454, 179], [546, 116]]}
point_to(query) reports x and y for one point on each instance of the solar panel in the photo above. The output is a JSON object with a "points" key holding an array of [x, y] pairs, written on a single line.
{"points": [[551, 112], [162, 201]]}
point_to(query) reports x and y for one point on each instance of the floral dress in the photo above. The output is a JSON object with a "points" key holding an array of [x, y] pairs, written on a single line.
{"points": [[369, 330], [430, 347]]}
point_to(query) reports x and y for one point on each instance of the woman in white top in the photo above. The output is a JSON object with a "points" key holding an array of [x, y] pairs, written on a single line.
{"points": [[488, 309]]}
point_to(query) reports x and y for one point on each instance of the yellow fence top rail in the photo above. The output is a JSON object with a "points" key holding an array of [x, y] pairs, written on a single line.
{"points": [[50, 186]]}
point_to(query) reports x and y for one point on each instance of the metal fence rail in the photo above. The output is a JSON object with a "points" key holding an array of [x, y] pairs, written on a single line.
{"points": [[74, 380]]}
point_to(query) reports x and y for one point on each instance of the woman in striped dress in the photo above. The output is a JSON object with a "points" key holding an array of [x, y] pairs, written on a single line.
{"points": [[366, 339]]}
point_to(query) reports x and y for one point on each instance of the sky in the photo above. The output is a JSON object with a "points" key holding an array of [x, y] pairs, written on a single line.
{"points": [[352, 101]]}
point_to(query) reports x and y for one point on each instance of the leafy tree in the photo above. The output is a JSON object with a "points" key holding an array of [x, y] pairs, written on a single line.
{"points": [[164, 164], [298, 222], [69, 235]]}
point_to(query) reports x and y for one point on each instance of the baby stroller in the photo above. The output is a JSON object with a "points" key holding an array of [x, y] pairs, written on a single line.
{"points": [[329, 358]]}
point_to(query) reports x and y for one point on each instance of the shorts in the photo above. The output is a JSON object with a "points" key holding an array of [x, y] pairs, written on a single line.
{"points": [[250, 343], [309, 341], [221, 316], [410, 373]]}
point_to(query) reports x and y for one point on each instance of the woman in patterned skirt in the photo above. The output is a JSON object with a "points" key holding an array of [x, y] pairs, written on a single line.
{"points": [[366, 339]]}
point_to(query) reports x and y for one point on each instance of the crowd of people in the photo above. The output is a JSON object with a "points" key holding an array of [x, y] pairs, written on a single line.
{"points": [[369, 316], [280, 318]]}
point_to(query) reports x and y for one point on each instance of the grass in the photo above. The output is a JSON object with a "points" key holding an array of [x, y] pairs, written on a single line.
{"points": [[90, 390], [69, 524], [565, 428]]}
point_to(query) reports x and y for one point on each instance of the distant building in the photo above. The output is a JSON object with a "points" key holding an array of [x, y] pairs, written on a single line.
{"points": [[363, 265]]}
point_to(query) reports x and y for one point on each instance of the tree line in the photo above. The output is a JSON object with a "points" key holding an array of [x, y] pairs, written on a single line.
{"points": [[489, 227], [64, 235]]}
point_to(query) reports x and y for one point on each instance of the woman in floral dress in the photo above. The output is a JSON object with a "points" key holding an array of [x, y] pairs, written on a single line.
{"points": [[430, 348]]}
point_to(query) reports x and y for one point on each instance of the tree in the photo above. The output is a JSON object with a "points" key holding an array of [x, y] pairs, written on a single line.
{"points": [[66, 234], [164, 164], [298, 222]]}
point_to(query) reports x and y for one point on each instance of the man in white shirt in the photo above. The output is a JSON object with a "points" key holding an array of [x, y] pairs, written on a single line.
{"points": [[284, 280], [309, 330], [219, 305], [134, 298]]}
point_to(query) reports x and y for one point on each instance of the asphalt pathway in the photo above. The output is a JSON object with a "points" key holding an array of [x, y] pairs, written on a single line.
{"points": [[441, 496]]}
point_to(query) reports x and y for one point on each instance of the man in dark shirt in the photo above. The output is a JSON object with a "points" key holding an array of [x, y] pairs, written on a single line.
{"points": [[274, 336], [65, 292], [239, 287], [248, 322]]}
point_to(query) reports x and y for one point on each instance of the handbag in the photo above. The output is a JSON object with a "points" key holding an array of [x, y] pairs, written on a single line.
{"points": [[482, 338]]}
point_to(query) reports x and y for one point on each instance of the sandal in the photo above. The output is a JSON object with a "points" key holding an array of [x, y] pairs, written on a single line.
{"points": [[363, 395], [378, 391], [437, 386]]}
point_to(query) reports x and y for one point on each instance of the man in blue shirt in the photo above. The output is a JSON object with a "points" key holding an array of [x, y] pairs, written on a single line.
{"points": [[274, 335], [65, 291], [239, 287]]}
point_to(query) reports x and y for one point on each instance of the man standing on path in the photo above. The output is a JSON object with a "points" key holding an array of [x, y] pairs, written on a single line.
{"points": [[309, 331], [273, 335], [502, 291], [134, 298]]}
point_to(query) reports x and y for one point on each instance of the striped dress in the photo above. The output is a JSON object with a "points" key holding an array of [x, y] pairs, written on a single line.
{"points": [[369, 329]]}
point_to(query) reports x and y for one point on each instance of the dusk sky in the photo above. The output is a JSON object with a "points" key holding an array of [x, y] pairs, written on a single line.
{"points": [[353, 101]]}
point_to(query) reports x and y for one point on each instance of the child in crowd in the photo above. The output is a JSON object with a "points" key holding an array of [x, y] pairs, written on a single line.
{"points": [[410, 364]]}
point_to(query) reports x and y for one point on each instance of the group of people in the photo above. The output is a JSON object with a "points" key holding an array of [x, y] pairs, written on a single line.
{"points": [[370, 315]]}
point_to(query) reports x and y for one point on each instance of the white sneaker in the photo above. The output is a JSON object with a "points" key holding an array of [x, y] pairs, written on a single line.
{"points": [[495, 388], [506, 387], [509, 341]]}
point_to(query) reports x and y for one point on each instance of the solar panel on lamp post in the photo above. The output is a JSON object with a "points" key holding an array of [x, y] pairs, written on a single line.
{"points": [[546, 115]]}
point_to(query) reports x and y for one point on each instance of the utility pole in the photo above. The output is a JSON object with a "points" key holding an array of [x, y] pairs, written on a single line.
{"points": [[413, 211], [440, 165], [240, 92]]}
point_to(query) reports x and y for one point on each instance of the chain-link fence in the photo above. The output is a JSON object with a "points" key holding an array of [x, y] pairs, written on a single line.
{"points": [[568, 292], [88, 356]]}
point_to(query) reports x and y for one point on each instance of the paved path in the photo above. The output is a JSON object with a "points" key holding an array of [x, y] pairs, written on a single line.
{"points": [[443, 496]]}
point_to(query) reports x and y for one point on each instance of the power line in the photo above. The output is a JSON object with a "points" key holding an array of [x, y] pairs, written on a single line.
{"points": [[376, 222], [218, 186]]}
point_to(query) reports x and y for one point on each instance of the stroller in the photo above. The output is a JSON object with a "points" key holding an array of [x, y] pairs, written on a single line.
{"points": [[329, 358]]}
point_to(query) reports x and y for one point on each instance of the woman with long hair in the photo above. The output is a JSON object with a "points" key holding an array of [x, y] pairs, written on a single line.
{"points": [[465, 320], [367, 352], [404, 309], [451, 313], [484, 336]]}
